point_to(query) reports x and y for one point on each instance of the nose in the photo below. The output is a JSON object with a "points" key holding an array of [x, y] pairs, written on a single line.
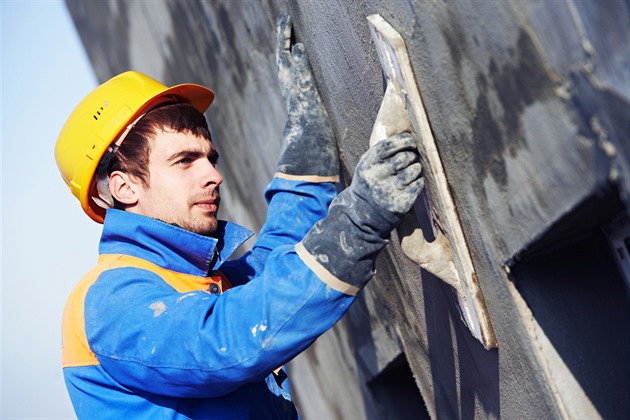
{"points": [[211, 175]]}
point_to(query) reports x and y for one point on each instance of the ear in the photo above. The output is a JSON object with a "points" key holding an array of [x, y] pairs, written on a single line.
{"points": [[124, 188]]}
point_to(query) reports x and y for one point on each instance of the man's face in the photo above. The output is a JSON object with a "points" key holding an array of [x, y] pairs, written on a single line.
{"points": [[183, 182]]}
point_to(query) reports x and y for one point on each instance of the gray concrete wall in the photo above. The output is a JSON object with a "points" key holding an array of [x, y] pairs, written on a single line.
{"points": [[529, 103]]}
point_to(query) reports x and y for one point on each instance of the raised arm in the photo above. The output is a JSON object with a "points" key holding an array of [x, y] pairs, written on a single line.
{"points": [[308, 166]]}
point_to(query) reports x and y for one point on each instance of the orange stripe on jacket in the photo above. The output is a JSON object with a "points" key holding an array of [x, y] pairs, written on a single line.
{"points": [[75, 347]]}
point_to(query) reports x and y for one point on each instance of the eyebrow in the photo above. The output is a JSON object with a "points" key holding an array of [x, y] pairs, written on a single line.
{"points": [[213, 155]]}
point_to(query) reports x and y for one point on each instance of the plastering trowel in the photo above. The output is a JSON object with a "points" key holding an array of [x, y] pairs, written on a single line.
{"points": [[447, 255]]}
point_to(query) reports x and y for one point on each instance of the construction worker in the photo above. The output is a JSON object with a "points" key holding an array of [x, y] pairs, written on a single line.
{"points": [[165, 326]]}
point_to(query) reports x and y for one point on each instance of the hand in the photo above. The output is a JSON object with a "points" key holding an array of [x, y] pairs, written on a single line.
{"points": [[386, 184], [294, 71], [388, 179], [309, 147]]}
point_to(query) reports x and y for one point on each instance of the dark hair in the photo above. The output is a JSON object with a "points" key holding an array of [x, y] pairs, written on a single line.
{"points": [[132, 156]]}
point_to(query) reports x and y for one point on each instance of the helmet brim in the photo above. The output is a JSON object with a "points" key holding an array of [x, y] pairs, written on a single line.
{"points": [[198, 96]]}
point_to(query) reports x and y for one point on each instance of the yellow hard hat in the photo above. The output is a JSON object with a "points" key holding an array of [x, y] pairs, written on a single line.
{"points": [[103, 116]]}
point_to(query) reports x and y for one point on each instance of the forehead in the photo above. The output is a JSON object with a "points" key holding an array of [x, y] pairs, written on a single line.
{"points": [[166, 143]]}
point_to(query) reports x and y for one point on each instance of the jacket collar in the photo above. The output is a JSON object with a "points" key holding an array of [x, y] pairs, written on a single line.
{"points": [[169, 246]]}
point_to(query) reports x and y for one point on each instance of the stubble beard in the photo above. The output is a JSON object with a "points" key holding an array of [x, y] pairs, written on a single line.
{"points": [[202, 227], [206, 227], [207, 224]]}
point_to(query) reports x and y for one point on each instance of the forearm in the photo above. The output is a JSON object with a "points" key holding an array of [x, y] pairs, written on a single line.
{"points": [[294, 207]]}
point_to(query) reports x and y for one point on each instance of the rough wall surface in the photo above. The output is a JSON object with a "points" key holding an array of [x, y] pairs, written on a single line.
{"points": [[529, 102]]}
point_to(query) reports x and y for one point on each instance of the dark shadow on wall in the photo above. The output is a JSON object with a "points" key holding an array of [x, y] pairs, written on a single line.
{"points": [[570, 281], [476, 367], [396, 394], [390, 392]]}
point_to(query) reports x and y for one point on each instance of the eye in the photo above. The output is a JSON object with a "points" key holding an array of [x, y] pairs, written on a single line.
{"points": [[184, 161]]}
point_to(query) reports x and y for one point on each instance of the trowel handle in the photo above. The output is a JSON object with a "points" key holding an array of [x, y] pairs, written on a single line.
{"points": [[392, 117]]}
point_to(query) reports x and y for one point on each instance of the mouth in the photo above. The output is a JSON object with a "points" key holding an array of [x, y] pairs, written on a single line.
{"points": [[210, 205]]}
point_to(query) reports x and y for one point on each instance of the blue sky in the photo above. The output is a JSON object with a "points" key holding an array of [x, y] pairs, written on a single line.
{"points": [[47, 241]]}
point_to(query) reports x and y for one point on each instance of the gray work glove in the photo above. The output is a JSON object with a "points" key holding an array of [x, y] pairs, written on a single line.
{"points": [[309, 148], [386, 184]]}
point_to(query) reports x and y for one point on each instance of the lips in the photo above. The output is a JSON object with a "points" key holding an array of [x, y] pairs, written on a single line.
{"points": [[209, 204]]}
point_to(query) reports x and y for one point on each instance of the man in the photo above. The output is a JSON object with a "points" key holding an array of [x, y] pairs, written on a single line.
{"points": [[165, 325]]}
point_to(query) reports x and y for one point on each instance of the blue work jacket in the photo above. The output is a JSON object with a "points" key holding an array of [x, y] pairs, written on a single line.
{"points": [[166, 327]]}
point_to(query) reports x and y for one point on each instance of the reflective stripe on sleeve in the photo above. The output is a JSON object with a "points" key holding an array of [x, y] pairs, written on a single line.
{"points": [[323, 274]]}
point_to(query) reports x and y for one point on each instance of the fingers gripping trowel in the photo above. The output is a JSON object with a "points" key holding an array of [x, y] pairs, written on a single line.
{"points": [[447, 256]]}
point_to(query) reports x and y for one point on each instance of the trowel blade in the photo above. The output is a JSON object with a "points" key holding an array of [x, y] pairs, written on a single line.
{"points": [[453, 258]]}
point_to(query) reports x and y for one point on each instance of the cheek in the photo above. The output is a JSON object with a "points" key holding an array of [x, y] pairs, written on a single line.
{"points": [[171, 183], [164, 190]]}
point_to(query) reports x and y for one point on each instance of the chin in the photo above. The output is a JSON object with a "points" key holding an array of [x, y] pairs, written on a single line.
{"points": [[206, 228]]}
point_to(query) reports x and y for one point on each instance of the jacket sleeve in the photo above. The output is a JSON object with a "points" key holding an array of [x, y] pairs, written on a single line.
{"points": [[294, 206], [152, 339]]}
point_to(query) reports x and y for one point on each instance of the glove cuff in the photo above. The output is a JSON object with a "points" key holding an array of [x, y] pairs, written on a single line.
{"points": [[323, 273], [307, 178]]}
